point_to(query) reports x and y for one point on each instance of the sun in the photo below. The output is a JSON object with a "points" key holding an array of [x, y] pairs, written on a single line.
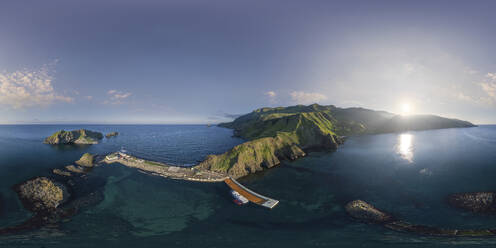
{"points": [[406, 109]]}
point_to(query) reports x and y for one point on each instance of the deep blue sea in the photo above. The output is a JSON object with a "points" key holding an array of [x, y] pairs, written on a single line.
{"points": [[407, 174]]}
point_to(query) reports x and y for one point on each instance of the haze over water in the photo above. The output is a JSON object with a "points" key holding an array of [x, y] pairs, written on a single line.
{"points": [[406, 174]]}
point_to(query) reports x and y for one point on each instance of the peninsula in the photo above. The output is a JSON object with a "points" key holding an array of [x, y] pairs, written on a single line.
{"points": [[288, 133]]}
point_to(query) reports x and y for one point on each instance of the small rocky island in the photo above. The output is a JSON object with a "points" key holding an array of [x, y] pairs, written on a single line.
{"points": [[41, 194], [81, 136], [111, 134], [52, 198], [43, 197]]}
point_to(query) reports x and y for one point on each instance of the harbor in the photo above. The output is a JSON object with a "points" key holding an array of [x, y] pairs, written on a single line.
{"points": [[241, 194]]}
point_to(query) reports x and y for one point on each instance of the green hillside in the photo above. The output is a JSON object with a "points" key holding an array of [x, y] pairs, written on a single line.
{"points": [[275, 134]]}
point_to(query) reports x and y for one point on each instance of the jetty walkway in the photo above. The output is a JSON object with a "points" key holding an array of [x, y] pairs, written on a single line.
{"points": [[190, 174], [165, 170], [250, 195]]}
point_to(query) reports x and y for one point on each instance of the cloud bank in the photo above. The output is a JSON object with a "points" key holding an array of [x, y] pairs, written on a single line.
{"points": [[27, 88]]}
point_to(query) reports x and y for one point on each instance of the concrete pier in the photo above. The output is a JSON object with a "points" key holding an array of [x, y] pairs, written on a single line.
{"points": [[250, 195]]}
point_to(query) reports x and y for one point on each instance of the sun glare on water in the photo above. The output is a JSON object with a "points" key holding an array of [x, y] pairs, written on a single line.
{"points": [[404, 147]]}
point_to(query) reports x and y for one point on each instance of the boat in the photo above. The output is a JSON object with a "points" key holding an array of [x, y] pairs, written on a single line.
{"points": [[238, 199]]}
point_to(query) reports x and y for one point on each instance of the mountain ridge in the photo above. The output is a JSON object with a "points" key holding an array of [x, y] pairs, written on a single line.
{"points": [[288, 133]]}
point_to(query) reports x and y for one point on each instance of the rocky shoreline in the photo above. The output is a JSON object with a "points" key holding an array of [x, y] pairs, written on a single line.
{"points": [[55, 198], [477, 202], [366, 212]]}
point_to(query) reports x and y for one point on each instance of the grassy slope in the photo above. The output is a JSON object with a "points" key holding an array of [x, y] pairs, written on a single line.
{"points": [[285, 133]]}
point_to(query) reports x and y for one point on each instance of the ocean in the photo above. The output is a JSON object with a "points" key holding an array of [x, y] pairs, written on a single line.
{"points": [[406, 174]]}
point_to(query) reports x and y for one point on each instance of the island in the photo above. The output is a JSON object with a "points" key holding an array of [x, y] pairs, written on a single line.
{"points": [[111, 134], [288, 133], [81, 136]]}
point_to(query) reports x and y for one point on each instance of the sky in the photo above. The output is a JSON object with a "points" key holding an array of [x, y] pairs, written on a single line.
{"points": [[192, 61]]}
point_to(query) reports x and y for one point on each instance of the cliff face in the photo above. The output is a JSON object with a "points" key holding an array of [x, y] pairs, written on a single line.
{"points": [[81, 136], [275, 134], [273, 140]]}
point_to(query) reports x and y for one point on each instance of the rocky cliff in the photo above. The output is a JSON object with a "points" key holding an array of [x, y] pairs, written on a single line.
{"points": [[276, 134], [81, 136]]}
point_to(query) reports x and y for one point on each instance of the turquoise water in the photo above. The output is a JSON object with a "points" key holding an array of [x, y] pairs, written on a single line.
{"points": [[407, 174]]}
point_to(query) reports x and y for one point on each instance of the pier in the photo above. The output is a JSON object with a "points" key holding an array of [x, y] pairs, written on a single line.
{"points": [[164, 170], [250, 195], [188, 173]]}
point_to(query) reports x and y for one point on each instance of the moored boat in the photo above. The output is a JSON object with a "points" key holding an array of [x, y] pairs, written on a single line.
{"points": [[238, 198]]}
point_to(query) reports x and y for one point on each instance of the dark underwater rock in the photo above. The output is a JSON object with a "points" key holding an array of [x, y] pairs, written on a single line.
{"points": [[366, 212], [479, 202], [75, 169], [361, 210], [61, 172]]}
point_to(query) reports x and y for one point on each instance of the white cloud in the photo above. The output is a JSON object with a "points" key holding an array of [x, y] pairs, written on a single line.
{"points": [[271, 94], [491, 76], [489, 88], [89, 97], [27, 88], [116, 97], [121, 95], [302, 97]]}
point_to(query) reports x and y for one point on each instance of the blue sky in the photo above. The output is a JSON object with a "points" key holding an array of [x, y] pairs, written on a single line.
{"points": [[203, 61]]}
